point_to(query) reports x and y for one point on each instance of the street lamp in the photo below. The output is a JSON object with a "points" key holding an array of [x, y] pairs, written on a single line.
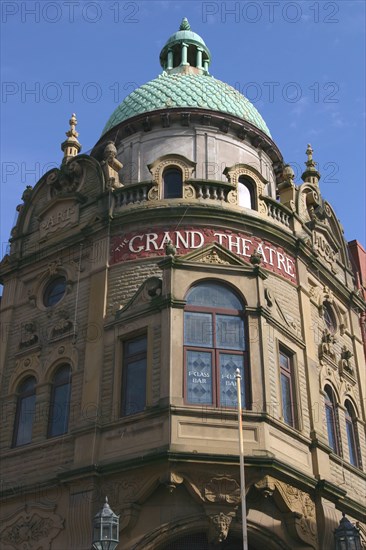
{"points": [[105, 529], [347, 536]]}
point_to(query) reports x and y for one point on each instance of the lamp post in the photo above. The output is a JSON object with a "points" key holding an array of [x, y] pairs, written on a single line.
{"points": [[241, 455], [105, 529], [347, 536]]}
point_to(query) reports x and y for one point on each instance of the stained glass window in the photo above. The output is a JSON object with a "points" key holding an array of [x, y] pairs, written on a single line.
{"points": [[214, 339]]}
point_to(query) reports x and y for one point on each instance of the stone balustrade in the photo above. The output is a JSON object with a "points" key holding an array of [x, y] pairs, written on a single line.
{"points": [[278, 211]]}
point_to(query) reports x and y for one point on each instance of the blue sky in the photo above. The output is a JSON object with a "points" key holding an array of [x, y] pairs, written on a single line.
{"points": [[302, 64]]}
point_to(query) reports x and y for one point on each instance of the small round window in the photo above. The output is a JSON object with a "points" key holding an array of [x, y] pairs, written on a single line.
{"points": [[54, 291], [329, 318]]}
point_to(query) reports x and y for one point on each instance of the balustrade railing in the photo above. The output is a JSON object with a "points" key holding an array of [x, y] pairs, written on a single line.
{"points": [[203, 190], [132, 194], [277, 211]]}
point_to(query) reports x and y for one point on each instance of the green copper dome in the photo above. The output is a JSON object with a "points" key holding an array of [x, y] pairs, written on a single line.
{"points": [[184, 83], [186, 90]]}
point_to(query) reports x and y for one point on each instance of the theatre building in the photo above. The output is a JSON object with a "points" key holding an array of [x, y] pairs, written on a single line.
{"points": [[139, 279]]}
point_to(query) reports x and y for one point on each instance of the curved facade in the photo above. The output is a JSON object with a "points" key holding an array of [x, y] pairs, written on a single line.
{"points": [[139, 279]]}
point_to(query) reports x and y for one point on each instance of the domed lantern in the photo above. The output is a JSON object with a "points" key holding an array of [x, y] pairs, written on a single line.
{"points": [[105, 529], [347, 536]]}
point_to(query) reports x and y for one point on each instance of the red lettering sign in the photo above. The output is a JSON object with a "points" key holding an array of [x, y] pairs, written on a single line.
{"points": [[131, 246]]}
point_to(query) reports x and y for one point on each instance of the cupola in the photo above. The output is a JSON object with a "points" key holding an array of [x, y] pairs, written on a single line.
{"points": [[185, 52]]}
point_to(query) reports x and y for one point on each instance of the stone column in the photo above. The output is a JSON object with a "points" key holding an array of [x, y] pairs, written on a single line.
{"points": [[170, 59], [184, 54], [199, 58]]}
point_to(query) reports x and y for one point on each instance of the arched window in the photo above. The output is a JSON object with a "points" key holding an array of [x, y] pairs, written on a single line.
{"points": [[214, 346], [173, 183], [25, 412], [329, 318], [246, 193], [352, 439], [54, 291], [331, 418], [58, 422]]}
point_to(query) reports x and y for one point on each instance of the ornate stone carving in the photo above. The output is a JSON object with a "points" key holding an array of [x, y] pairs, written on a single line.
{"points": [[170, 249], [256, 258], [266, 486], [29, 336], [149, 290], [233, 174], [362, 530], [325, 250], [66, 179], [345, 363], [27, 193], [60, 214], [33, 528], [111, 166], [52, 267], [297, 507], [171, 480], [219, 527], [213, 257], [157, 168], [189, 191], [269, 298], [327, 346], [222, 490], [153, 194], [62, 326], [232, 197]]}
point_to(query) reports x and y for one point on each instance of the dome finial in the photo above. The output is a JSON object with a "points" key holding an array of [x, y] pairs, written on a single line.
{"points": [[311, 174], [185, 26], [71, 145]]}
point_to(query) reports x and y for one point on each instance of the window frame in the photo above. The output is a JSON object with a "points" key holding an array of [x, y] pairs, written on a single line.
{"points": [[215, 351], [126, 362], [329, 318], [49, 286], [21, 397], [330, 405], [350, 420], [247, 182], [172, 168], [289, 374], [55, 385]]}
